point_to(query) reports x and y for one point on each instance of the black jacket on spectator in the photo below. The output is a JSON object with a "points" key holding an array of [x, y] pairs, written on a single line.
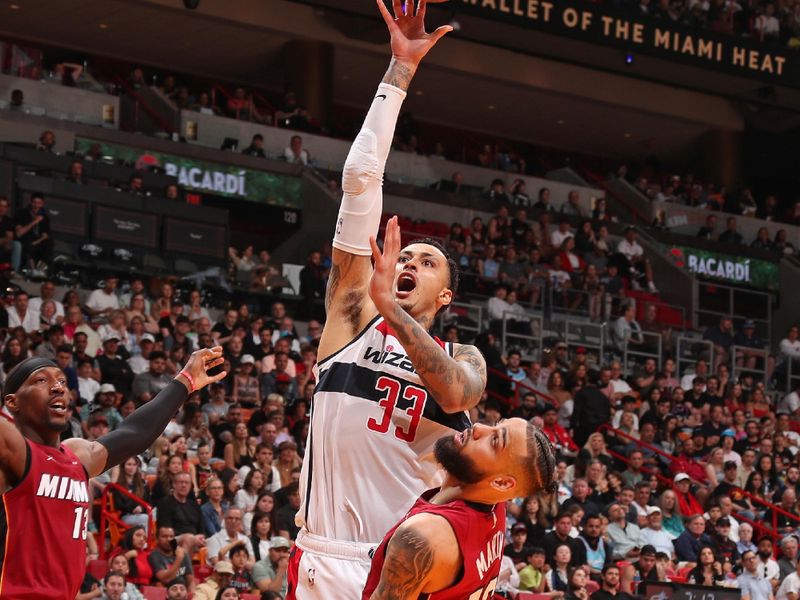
{"points": [[116, 371], [592, 409], [183, 517], [551, 541]]}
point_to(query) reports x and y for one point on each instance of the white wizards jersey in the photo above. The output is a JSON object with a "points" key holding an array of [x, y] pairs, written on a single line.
{"points": [[369, 453]]}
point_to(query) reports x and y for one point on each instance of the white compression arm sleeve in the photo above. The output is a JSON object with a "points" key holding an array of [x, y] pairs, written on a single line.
{"points": [[362, 176]]}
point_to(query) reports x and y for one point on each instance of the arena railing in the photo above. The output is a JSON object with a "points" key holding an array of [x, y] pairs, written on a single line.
{"points": [[269, 110], [792, 373], [758, 524], [633, 352], [139, 103], [589, 335], [467, 317], [717, 300], [110, 519], [686, 352], [522, 332], [739, 357]]}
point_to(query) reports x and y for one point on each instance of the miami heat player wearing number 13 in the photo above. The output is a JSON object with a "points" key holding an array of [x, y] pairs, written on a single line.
{"points": [[45, 484], [387, 389]]}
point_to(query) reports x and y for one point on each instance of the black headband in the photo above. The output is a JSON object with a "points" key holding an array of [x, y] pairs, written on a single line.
{"points": [[22, 371]]}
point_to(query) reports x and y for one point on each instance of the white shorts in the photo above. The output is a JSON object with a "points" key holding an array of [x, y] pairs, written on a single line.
{"points": [[323, 569]]}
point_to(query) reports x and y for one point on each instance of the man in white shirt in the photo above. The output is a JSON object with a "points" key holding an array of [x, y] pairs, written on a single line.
{"points": [[766, 566], [562, 233], [20, 315], [103, 301], [219, 544], [655, 535], [790, 588], [294, 153], [639, 264], [46, 292], [767, 24]]}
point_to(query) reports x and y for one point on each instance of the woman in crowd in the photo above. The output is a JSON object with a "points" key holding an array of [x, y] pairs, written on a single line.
{"points": [[261, 534], [241, 450], [13, 354], [771, 484], [265, 504], [558, 577], [708, 571], [668, 434], [215, 507], [133, 546], [247, 497], [116, 327], [246, 389], [755, 487], [758, 405], [556, 389], [287, 461], [137, 309], [48, 316], [130, 478], [166, 471], [671, 512], [161, 305], [231, 483], [533, 518], [120, 564], [577, 585], [715, 466], [227, 593]]}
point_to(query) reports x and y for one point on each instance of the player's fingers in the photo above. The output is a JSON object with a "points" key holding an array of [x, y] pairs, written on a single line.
{"points": [[393, 237], [387, 16], [217, 377], [440, 33], [421, 8], [215, 363], [376, 251], [397, 7]]}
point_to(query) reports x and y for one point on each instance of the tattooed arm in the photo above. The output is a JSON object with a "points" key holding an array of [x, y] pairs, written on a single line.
{"points": [[422, 557]]}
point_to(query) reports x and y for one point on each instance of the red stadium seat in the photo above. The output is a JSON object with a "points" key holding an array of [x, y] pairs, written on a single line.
{"points": [[532, 596], [151, 592], [98, 568]]}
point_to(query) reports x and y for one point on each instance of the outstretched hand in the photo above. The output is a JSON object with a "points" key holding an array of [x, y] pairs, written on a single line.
{"points": [[200, 362], [410, 42], [381, 284]]}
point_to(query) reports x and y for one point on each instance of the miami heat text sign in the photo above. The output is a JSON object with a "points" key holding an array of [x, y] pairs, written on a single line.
{"points": [[607, 26]]}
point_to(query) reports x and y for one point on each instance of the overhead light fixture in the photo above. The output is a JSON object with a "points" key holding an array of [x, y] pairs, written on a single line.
{"points": [[560, 121], [627, 135], [103, 26], [491, 107], [13, 6], [419, 93]]}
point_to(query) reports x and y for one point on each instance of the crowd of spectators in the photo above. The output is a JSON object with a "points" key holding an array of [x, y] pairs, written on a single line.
{"points": [[768, 22]]}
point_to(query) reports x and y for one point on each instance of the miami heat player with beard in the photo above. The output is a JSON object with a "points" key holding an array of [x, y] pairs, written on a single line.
{"points": [[450, 544], [387, 389], [44, 482]]}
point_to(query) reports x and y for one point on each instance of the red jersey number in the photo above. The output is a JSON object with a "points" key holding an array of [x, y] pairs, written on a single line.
{"points": [[392, 390], [484, 593]]}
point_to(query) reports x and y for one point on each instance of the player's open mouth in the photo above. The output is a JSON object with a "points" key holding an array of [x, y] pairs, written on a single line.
{"points": [[406, 283], [59, 407]]}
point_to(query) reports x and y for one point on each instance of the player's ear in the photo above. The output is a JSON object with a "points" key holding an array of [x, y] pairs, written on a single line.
{"points": [[504, 483], [446, 296]]}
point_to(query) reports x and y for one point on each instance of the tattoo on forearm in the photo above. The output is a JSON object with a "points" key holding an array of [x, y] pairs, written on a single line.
{"points": [[349, 304], [440, 373], [409, 559], [399, 75]]}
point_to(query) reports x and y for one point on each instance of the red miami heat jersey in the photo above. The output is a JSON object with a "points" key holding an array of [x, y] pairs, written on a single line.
{"points": [[480, 531], [43, 527]]}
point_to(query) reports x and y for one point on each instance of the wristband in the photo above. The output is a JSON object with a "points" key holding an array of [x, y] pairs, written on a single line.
{"points": [[190, 379]]}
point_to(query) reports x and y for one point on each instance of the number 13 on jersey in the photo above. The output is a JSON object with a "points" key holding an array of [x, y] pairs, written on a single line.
{"points": [[392, 391]]}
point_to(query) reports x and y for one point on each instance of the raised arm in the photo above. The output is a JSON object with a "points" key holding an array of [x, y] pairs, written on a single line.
{"points": [[138, 432], [420, 559], [456, 382], [347, 302]]}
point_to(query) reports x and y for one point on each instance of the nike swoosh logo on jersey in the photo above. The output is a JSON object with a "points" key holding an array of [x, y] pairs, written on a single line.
{"points": [[381, 96]]}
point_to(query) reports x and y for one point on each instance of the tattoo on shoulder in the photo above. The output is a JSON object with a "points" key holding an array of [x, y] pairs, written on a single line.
{"points": [[349, 304], [398, 75], [409, 559]]}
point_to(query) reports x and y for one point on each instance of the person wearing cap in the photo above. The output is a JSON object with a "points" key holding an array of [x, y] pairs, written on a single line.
{"points": [[246, 389], [179, 336], [177, 591], [219, 578], [270, 573], [728, 441], [279, 380], [647, 566], [103, 404], [686, 500], [113, 367], [655, 535], [140, 361], [518, 550], [146, 385], [746, 341], [103, 301], [724, 546]]}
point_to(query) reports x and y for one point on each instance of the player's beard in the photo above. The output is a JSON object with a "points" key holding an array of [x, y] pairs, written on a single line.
{"points": [[460, 467]]}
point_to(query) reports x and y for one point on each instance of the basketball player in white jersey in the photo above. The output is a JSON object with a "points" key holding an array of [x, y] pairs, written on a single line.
{"points": [[387, 389]]}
